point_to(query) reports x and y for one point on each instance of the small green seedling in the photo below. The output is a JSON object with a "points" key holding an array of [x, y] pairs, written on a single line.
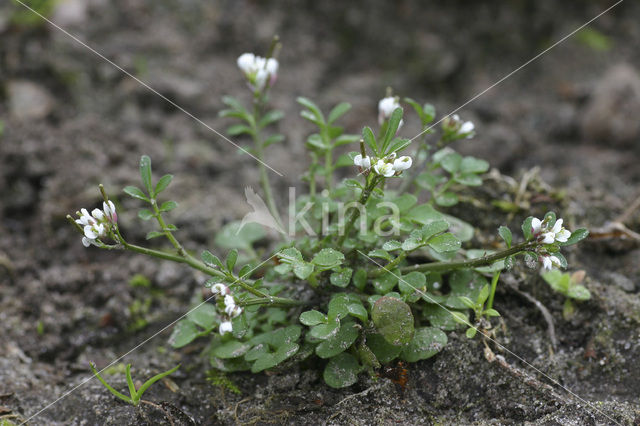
{"points": [[134, 395], [478, 306], [568, 285]]}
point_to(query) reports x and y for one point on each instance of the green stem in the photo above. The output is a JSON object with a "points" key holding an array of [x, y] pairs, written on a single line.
{"points": [[471, 263], [264, 175], [494, 284], [389, 266], [167, 232], [328, 165], [355, 213]]}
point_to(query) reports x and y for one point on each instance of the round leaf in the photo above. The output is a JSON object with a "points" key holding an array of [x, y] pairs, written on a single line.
{"points": [[342, 371], [426, 342], [393, 320], [339, 342]]}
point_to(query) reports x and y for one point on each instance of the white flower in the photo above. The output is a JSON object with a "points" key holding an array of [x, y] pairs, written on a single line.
{"points": [[225, 327], [541, 231], [261, 72], [95, 225], [364, 163], [466, 128], [246, 63], [402, 163], [384, 169], [550, 261], [234, 312], [219, 288], [561, 234], [457, 129], [229, 301], [386, 106], [110, 211]]}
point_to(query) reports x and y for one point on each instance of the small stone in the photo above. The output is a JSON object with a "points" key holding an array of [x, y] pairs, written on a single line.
{"points": [[28, 101], [611, 115], [621, 281]]}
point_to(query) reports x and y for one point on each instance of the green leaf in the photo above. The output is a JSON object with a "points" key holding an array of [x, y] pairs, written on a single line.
{"points": [[379, 253], [444, 243], [471, 332], [239, 129], [211, 260], [360, 279], [145, 173], [576, 236], [384, 351], [492, 313], [393, 320], [468, 179], [324, 331], [473, 165], [527, 229], [273, 139], [313, 317], [392, 129], [302, 270], [423, 214], [316, 115], [168, 206], [342, 371], [433, 228], [203, 316], [505, 233], [412, 281], [162, 184], [558, 281], [398, 144], [483, 295], [446, 199], [232, 235], [328, 258], [357, 310], [342, 277], [579, 292], [426, 342], [338, 111], [146, 214], [231, 349], [458, 227], [370, 139], [452, 162], [183, 333], [232, 258], [391, 245], [467, 302], [270, 360], [154, 234], [339, 342], [135, 192], [271, 117], [384, 283]]}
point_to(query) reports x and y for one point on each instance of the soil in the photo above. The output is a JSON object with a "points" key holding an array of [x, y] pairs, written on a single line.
{"points": [[71, 121]]}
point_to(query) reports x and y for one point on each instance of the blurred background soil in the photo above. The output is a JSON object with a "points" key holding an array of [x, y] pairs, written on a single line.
{"points": [[567, 124]]}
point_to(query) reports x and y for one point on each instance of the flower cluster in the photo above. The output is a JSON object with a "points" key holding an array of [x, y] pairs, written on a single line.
{"points": [[260, 72], [386, 106], [454, 128], [541, 231], [387, 167], [231, 310], [97, 224]]}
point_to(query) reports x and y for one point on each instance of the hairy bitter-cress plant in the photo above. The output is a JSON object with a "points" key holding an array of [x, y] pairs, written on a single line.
{"points": [[344, 285]]}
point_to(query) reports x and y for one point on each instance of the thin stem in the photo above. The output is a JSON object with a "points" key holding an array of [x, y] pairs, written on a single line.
{"points": [[494, 284], [355, 213], [328, 165], [471, 263], [167, 232], [264, 175]]}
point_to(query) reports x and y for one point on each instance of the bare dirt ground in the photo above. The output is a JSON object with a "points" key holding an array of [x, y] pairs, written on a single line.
{"points": [[72, 121]]}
